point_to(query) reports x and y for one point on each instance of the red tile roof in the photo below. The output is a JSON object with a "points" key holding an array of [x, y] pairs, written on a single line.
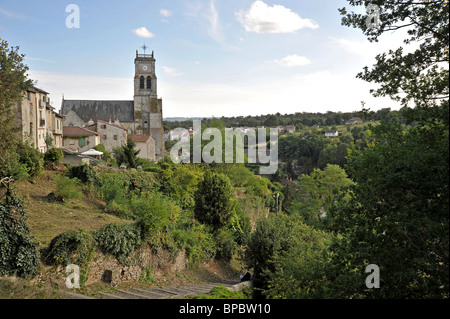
{"points": [[140, 138], [77, 131]]}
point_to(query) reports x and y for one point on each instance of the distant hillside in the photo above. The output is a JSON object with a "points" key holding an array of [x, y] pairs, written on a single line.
{"points": [[182, 119]]}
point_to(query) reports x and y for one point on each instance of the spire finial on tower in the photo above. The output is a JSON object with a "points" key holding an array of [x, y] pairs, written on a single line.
{"points": [[144, 47]]}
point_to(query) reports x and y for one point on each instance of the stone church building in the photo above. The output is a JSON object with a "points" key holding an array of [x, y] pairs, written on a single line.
{"points": [[141, 117]]}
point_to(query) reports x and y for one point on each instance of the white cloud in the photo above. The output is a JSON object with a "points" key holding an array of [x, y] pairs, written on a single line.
{"points": [[143, 32], [293, 60], [171, 71], [262, 18], [208, 17], [165, 13]]}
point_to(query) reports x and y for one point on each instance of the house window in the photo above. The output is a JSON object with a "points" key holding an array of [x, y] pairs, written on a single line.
{"points": [[28, 96], [115, 137], [31, 109], [104, 137], [103, 127], [142, 83], [82, 142], [145, 124], [149, 83]]}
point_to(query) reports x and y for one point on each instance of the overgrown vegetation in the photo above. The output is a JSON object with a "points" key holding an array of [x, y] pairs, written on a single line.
{"points": [[18, 252], [72, 247]]}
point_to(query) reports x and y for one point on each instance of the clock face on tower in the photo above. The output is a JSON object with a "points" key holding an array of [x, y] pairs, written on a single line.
{"points": [[145, 68]]}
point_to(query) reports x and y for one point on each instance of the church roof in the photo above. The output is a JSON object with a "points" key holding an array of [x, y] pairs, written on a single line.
{"points": [[100, 110]]}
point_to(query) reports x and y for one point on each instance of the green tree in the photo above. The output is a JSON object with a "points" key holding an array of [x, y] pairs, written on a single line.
{"points": [[127, 155], [319, 192], [398, 215], [271, 121], [13, 83], [288, 258], [420, 76], [334, 153], [214, 204]]}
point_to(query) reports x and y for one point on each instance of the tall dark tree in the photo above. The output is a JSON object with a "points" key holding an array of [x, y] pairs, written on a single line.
{"points": [[214, 204], [128, 155]]}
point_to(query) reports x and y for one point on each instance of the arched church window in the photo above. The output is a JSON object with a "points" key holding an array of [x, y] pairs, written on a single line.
{"points": [[142, 82], [145, 124], [149, 83]]}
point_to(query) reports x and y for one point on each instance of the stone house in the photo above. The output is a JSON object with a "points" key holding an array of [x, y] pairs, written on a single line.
{"points": [[55, 127], [38, 119], [80, 139], [112, 134], [146, 145]]}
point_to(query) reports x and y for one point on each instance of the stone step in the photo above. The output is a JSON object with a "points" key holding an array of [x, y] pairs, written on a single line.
{"points": [[130, 295], [162, 290], [198, 290], [104, 295], [151, 295], [180, 291], [167, 292], [73, 295]]}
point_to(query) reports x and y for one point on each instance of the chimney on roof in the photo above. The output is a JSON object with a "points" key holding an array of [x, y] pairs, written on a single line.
{"points": [[110, 120], [91, 122], [117, 121]]}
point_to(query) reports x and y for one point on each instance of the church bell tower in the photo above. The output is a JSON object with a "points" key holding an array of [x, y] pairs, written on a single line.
{"points": [[147, 105]]}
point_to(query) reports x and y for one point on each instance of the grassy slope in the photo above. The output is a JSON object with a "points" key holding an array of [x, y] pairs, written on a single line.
{"points": [[48, 219]]}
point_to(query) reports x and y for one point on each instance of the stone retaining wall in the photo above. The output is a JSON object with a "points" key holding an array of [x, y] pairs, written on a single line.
{"points": [[106, 267]]}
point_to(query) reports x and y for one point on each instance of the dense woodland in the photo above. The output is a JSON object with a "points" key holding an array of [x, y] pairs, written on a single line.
{"points": [[377, 194]]}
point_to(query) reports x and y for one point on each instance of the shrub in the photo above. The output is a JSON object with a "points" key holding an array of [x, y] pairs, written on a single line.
{"points": [[196, 239], [54, 155], [18, 253], [289, 258], [84, 173], [154, 212], [113, 188], [67, 188], [31, 158], [72, 247], [120, 241], [225, 244]]}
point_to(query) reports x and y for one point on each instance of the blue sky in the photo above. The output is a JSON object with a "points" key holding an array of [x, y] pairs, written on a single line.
{"points": [[214, 57]]}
